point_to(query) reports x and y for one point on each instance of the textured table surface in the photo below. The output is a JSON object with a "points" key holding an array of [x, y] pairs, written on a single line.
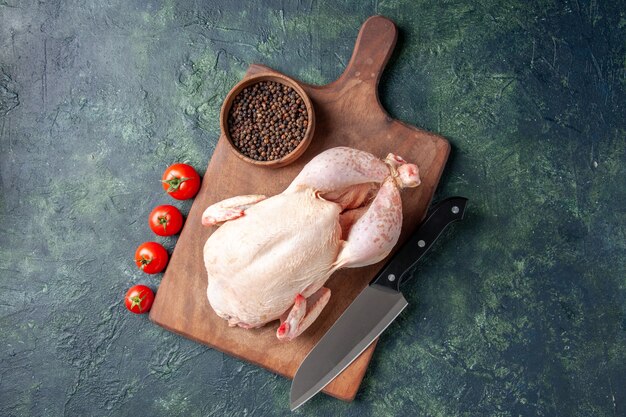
{"points": [[518, 311]]}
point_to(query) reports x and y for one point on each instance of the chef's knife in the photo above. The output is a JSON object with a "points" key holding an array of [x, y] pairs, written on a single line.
{"points": [[373, 310]]}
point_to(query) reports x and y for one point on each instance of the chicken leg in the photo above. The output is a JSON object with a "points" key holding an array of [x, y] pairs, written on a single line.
{"points": [[302, 314]]}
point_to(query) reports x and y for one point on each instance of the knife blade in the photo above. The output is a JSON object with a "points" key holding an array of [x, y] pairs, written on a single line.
{"points": [[374, 309]]}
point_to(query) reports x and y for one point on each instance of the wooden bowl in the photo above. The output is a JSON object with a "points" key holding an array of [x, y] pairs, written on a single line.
{"points": [[308, 134]]}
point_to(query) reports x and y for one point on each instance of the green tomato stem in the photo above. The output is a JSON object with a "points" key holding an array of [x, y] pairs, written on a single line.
{"points": [[137, 301], [144, 261], [163, 221], [174, 183]]}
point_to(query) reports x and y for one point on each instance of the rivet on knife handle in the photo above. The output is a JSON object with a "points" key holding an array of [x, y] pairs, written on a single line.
{"points": [[438, 218]]}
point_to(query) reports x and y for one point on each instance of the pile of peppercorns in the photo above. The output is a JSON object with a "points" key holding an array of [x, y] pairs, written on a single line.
{"points": [[267, 120]]}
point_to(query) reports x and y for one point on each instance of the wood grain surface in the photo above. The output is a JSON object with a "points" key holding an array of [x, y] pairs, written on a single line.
{"points": [[348, 113]]}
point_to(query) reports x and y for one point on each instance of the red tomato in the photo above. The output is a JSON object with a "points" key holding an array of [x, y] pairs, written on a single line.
{"points": [[181, 181], [151, 257], [139, 299], [165, 220]]}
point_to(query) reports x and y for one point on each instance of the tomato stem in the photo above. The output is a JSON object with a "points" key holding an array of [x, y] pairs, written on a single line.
{"points": [[163, 221], [143, 261], [136, 301], [174, 183]]}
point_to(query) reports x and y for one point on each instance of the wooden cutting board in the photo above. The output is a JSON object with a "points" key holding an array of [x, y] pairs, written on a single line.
{"points": [[348, 113]]}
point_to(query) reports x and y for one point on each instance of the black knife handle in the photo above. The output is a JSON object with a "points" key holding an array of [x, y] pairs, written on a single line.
{"points": [[438, 218]]}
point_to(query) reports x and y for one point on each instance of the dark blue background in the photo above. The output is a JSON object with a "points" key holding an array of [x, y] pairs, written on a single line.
{"points": [[520, 310]]}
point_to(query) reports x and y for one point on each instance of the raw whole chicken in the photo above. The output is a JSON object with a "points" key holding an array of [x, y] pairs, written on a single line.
{"points": [[272, 256]]}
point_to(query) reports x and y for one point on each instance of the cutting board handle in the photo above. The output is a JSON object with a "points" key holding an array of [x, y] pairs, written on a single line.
{"points": [[372, 50]]}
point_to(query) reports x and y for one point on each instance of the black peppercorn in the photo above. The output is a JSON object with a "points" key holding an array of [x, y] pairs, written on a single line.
{"points": [[267, 120]]}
